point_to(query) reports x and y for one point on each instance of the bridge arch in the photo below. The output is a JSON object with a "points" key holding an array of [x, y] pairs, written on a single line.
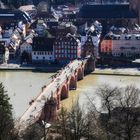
{"points": [[73, 83], [80, 74], [64, 92]]}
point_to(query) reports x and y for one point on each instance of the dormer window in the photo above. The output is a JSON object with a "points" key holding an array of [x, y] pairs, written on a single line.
{"points": [[89, 39], [127, 37], [122, 48], [137, 37]]}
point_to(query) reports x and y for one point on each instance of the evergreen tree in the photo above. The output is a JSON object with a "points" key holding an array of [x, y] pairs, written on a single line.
{"points": [[6, 119]]}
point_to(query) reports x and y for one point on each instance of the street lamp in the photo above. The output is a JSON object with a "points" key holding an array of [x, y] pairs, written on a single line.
{"points": [[45, 126]]}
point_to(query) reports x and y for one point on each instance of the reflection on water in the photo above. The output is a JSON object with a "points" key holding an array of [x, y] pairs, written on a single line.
{"points": [[24, 86]]}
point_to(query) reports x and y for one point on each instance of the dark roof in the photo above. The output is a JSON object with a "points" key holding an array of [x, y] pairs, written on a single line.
{"points": [[43, 44], [107, 11], [45, 15], [70, 16], [67, 38], [52, 23], [15, 15], [8, 25]]}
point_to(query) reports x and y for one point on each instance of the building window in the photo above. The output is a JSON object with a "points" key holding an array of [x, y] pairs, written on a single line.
{"points": [[37, 57], [34, 53]]}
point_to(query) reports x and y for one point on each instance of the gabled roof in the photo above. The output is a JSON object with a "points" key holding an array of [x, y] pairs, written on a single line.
{"points": [[43, 44], [107, 11], [45, 15], [67, 38], [16, 15]]}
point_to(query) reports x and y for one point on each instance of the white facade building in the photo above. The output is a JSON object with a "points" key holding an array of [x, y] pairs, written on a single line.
{"points": [[127, 45], [42, 49], [42, 56], [6, 58]]}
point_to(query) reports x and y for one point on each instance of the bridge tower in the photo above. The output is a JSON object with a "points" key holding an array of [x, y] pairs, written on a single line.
{"points": [[89, 50], [90, 65]]}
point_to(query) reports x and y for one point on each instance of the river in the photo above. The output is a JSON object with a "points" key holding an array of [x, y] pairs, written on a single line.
{"points": [[26, 85], [22, 87], [86, 88]]}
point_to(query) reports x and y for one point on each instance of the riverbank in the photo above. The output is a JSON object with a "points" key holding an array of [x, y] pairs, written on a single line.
{"points": [[118, 71], [34, 68], [55, 68]]}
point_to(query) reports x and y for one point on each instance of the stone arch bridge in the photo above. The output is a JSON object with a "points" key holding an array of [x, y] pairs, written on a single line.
{"points": [[48, 101]]}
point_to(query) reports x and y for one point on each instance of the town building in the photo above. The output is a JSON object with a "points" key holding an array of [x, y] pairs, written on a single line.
{"points": [[109, 13], [135, 5], [11, 16], [63, 29], [46, 16], [2, 52], [41, 28], [91, 37], [6, 55], [88, 49], [27, 47], [67, 48], [30, 9], [121, 45], [42, 50]]}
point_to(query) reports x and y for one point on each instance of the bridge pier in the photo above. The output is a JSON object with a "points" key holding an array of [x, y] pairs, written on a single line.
{"points": [[80, 74], [90, 65], [58, 101], [72, 83], [64, 91], [49, 111]]}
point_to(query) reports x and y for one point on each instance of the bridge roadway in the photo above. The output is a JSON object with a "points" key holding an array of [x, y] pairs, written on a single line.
{"points": [[33, 112]]}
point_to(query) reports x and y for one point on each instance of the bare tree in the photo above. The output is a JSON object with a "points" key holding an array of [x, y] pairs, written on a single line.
{"points": [[122, 111], [63, 119], [77, 122], [126, 116], [32, 132], [95, 130]]}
